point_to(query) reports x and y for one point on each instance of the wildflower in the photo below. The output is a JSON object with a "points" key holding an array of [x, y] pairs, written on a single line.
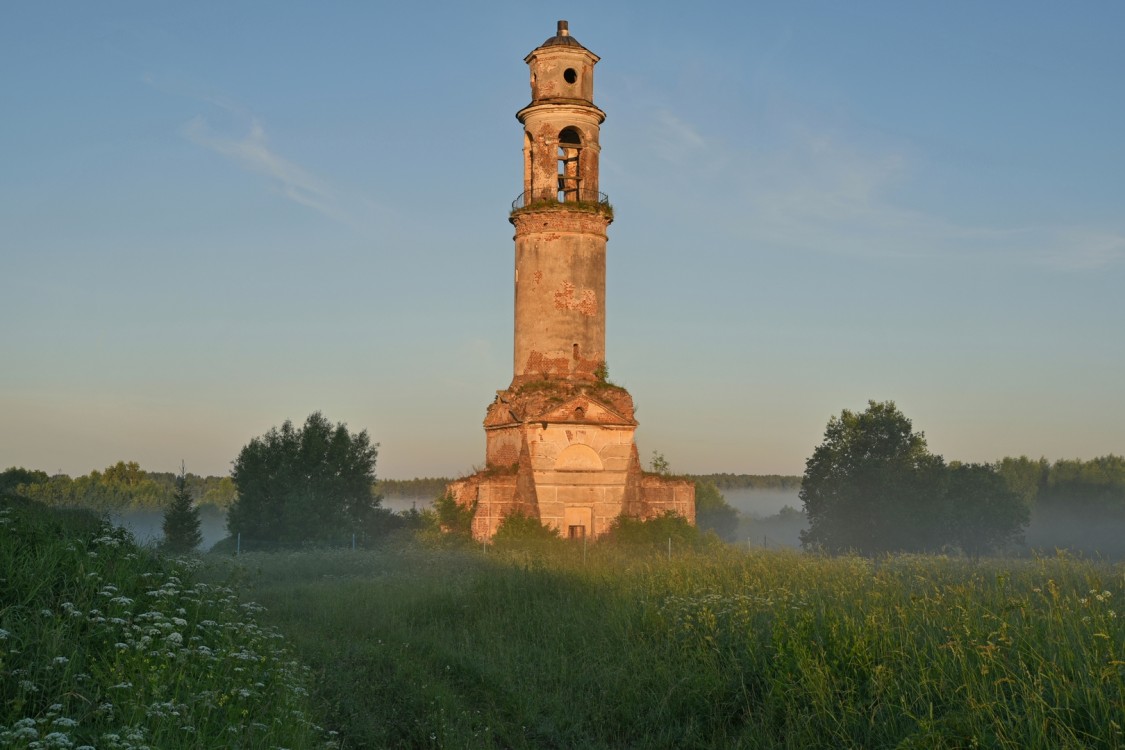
{"points": [[57, 739], [24, 729], [60, 660]]}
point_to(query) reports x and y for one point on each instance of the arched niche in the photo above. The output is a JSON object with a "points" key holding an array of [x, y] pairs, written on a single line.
{"points": [[578, 457]]}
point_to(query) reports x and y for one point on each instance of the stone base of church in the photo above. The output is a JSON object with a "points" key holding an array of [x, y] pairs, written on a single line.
{"points": [[563, 453]]}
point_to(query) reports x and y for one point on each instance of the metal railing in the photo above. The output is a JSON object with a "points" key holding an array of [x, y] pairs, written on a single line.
{"points": [[548, 198]]}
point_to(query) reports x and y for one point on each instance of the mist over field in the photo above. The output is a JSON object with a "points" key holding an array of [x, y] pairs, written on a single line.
{"points": [[760, 525], [754, 505], [761, 503], [146, 525]]}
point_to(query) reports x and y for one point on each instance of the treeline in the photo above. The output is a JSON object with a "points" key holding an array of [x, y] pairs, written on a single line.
{"points": [[1098, 483], [121, 487], [727, 481], [1076, 505], [428, 487]]}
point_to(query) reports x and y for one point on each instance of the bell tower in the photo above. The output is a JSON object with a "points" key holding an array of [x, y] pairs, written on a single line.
{"points": [[559, 439], [560, 219]]}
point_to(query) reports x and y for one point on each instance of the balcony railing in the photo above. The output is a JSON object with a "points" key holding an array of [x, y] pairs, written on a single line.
{"points": [[582, 200]]}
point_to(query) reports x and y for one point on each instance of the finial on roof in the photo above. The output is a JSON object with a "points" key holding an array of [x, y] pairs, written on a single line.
{"points": [[564, 29]]}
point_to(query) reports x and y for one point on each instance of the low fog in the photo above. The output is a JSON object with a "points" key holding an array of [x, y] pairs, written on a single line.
{"points": [[767, 518]]}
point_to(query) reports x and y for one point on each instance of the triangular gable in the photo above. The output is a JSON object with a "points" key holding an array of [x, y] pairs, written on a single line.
{"points": [[582, 409]]}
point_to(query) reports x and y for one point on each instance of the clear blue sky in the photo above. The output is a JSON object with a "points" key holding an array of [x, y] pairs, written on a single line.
{"points": [[216, 216]]}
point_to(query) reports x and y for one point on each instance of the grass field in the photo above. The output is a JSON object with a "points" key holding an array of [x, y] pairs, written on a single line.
{"points": [[416, 647]]}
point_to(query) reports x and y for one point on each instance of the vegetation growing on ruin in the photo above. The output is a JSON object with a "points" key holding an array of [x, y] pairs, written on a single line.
{"points": [[566, 387], [603, 207]]}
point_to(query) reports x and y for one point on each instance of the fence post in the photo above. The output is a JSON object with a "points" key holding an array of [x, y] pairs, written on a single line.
{"points": [[669, 548], [238, 545]]}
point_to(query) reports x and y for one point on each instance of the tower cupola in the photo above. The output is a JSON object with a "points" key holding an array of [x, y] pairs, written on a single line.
{"points": [[562, 69], [561, 124]]}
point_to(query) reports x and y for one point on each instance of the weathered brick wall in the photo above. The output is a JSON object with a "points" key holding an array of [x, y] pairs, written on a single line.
{"points": [[662, 494]]}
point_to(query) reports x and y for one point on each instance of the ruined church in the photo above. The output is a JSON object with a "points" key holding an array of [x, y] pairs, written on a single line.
{"points": [[559, 438]]}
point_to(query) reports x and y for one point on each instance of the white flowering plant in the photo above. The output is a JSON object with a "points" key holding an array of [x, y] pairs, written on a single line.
{"points": [[105, 644]]}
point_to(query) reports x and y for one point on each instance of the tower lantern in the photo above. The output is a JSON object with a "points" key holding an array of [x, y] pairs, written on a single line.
{"points": [[561, 122], [559, 439], [560, 219]]}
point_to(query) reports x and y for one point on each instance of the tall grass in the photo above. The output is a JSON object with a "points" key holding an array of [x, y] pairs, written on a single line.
{"points": [[721, 648], [103, 644]]}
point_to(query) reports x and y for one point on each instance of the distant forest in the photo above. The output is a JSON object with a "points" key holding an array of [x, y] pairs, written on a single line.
{"points": [[121, 487], [750, 481], [424, 487]]}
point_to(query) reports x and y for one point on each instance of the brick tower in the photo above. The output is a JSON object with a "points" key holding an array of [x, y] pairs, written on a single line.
{"points": [[559, 439]]}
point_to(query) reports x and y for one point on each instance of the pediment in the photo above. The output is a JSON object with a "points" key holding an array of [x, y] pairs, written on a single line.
{"points": [[583, 409]]}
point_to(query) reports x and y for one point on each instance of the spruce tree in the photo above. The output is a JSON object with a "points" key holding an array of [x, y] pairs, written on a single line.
{"points": [[181, 519]]}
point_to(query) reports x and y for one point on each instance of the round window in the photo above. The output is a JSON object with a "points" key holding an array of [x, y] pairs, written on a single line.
{"points": [[569, 75]]}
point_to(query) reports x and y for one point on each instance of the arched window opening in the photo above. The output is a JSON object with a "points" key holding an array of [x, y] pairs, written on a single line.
{"points": [[570, 149]]}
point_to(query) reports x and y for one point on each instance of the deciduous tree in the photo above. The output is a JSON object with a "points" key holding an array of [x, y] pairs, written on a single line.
{"points": [[872, 485], [307, 483]]}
